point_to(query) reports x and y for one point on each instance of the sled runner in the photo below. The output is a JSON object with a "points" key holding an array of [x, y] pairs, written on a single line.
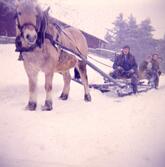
{"points": [[124, 90]]}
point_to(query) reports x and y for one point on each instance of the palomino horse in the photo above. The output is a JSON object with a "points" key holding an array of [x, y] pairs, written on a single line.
{"points": [[36, 32], [150, 69]]}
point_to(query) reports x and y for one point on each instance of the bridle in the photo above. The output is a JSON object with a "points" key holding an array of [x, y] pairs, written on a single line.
{"points": [[40, 28], [21, 27]]}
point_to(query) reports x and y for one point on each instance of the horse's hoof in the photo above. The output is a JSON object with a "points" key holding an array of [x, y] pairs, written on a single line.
{"points": [[87, 97], [47, 106], [63, 96], [31, 106]]}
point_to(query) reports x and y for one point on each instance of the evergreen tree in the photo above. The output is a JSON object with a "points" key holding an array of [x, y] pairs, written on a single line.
{"points": [[139, 37], [132, 31], [146, 29], [160, 51], [7, 22], [132, 36], [145, 38], [120, 31]]}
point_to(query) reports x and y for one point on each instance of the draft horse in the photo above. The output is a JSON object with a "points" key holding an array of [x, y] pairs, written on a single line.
{"points": [[36, 33]]}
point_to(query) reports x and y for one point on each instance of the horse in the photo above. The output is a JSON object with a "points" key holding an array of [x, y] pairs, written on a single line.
{"points": [[150, 69], [36, 33]]}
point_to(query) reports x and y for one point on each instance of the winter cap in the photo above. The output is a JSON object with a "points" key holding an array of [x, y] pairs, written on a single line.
{"points": [[126, 46]]}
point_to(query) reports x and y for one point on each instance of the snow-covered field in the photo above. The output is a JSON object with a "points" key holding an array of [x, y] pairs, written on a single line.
{"points": [[108, 132]]}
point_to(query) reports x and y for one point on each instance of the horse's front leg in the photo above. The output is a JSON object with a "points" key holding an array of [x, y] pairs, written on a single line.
{"points": [[66, 88], [32, 104], [48, 88]]}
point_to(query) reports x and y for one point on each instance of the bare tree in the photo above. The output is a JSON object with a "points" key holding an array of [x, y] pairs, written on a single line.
{"points": [[7, 22]]}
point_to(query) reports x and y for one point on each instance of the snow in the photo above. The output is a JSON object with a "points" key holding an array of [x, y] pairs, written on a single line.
{"points": [[109, 131]]}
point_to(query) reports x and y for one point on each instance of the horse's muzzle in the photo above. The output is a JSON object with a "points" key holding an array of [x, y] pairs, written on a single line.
{"points": [[31, 39], [30, 35]]}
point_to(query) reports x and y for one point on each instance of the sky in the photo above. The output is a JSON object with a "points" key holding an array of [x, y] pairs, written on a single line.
{"points": [[85, 13]]}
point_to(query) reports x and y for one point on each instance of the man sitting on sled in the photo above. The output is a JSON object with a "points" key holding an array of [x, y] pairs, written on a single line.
{"points": [[125, 66]]}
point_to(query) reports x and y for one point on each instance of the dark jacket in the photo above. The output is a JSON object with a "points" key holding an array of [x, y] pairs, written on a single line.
{"points": [[155, 65], [127, 62]]}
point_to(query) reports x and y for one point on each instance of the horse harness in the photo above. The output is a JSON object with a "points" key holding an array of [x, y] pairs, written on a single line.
{"points": [[41, 24]]}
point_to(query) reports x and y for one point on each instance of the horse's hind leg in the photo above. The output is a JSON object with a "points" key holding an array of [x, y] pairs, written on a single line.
{"points": [[81, 67], [66, 88], [48, 88]]}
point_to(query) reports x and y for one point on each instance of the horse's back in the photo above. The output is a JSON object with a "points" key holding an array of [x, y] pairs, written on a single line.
{"points": [[75, 40]]}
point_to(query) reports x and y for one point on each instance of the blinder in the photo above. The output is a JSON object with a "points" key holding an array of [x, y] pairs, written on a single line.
{"points": [[42, 22]]}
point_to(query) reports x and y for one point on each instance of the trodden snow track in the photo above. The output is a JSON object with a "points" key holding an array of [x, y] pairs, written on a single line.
{"points": [[109, 131]]}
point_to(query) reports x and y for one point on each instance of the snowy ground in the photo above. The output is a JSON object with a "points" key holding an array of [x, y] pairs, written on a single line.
{"points": [[108, 132]]}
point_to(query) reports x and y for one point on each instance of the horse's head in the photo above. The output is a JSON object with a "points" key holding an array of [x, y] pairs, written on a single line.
{"points": [[28, 16], [157, 58]]}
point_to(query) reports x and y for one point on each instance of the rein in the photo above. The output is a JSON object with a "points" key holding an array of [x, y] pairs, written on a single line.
{"points": [[42, 35], [57, 45]]}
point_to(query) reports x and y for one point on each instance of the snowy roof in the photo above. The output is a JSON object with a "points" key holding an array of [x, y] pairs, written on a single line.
{"points": [[74, 18]]}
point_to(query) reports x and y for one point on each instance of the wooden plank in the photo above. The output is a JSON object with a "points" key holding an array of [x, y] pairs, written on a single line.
{"points": [[111, 87], [7, 40]]}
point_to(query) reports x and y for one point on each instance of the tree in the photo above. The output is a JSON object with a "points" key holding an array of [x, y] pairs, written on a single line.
{"points": [[123, 32], [132, 35], [132, 31], [139, 37], [146, 29], [160, 51], [145, 38], [7, 22], [120, 31]]}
